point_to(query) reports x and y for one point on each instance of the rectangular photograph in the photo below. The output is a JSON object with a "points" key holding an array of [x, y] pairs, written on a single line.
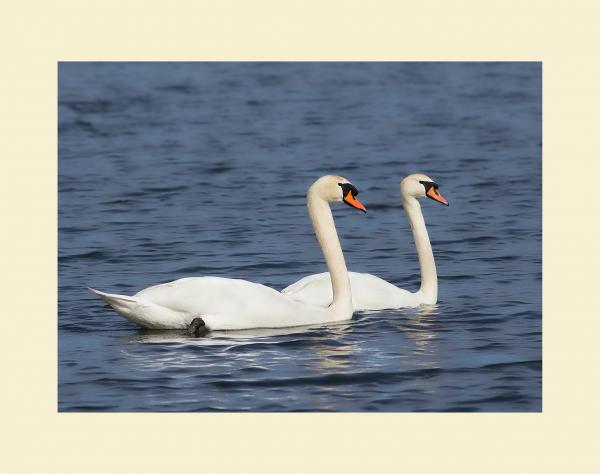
{"points": [[300, 236]]}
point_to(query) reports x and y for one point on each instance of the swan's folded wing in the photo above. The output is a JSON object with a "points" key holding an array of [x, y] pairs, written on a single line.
{"points": [[313, 289], [301, 284]]}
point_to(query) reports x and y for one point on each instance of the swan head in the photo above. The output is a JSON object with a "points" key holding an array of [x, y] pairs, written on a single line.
{"points": [[419, 186], [337, 189]]}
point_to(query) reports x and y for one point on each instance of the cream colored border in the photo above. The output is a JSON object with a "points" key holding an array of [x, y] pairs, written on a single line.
{"points": [[35, 35]]}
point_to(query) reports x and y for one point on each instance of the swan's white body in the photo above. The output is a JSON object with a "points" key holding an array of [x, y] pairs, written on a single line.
{"points": [[229, 304], [370, 293], [223, 303]]}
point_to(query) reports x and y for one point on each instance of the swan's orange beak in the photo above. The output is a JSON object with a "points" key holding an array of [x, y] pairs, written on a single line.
{"points": [[436, 196], [352, 201]]}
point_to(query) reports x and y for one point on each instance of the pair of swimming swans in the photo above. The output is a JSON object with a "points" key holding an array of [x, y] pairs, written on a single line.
{"points": [[213, 303]]}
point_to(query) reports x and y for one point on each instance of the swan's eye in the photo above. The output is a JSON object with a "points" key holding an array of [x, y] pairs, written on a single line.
{"points": [[348, 188], [428, 185]]}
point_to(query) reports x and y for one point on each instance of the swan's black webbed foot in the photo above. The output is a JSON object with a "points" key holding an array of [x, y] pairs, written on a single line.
{"points": [[197, 328]]}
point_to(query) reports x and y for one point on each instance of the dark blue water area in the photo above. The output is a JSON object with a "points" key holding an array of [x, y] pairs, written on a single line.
{"points": [[171, 170]]}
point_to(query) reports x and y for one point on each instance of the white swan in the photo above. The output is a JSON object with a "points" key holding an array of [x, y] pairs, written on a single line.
{"points": [[370, 292], [229, 304]]}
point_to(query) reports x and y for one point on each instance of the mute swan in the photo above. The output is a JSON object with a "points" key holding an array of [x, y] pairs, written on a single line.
{"points": [[213, 303], [370, 292]]}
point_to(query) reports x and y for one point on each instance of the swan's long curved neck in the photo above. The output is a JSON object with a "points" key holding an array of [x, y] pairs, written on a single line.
{"points": [[322, 220], [429, 287]]}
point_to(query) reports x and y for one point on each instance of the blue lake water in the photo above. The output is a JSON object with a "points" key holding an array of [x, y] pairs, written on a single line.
{"points": [[171, 170]]}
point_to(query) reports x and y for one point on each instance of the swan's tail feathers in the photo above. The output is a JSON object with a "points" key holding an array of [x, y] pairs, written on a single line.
{"points": [[124, 305], [146, 313]]}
